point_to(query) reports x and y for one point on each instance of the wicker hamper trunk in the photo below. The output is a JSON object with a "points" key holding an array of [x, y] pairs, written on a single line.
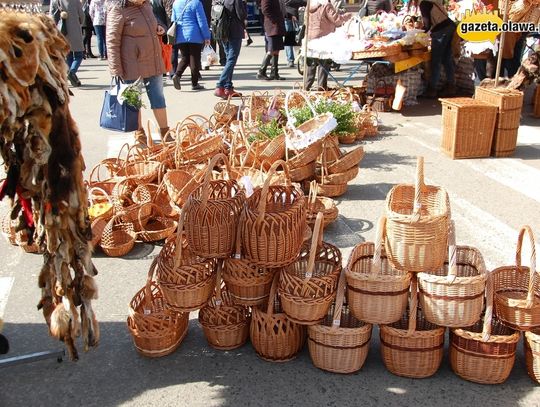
{"points": [[509, 102], [468, 126]]}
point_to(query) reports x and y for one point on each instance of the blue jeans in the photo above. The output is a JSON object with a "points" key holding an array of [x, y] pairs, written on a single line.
{"points": [[289, 51], [232, 51], [74, 60], [154, 90], [100, 34], [441, 54]]}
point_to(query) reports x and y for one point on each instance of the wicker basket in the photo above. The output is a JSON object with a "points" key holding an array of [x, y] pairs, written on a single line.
{"points": [[317, 204], [349, 160], [532, 354], [225, 324], [246, 284], [310, 131], [156, 330], [100, 205], [383, 52], [340, 343], [509, 102], [143, 171], [212, 212], [368, 121], [306, 156], [275, 337], [158, 227], [417, 225], [412, 347], [187, 281], [274, 150], [180, 184], [517, 295], [272, 223], [225, 112], [301, 173], [118, 237], [485, 352], [122, 198], [453, 295], [468, 126], [377, 293], [308, 286], [339, 177]]}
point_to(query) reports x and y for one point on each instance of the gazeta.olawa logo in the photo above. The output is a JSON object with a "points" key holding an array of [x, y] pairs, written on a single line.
{"points": [[487, 25]]}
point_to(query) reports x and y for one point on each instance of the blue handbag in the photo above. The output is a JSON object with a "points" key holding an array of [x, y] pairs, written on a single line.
{"points": [[116, 116]]}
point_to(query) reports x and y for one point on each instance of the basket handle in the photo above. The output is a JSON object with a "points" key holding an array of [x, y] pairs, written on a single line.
{"points": [[153, 205], [316, 239], [103, 192], [413, 308], [532, 280], [290, 122], [178, 246], [206, 183], [418, 187], [219, 300], [340, 298], [262, 201], [488, 316], [452, 253], [148, 287], [272, 296], [96, 173], [376, 262]]}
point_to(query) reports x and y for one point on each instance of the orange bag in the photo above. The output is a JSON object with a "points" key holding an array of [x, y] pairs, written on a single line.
{"points": [[166, 55]]}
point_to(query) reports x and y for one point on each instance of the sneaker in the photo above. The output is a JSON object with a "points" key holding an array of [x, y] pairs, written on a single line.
{"points": [[231, 93], [291, 64], [176, 82], [197, 87], [220, 93]]}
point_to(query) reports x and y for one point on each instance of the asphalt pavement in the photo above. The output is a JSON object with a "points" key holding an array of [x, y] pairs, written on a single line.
{"points": [[490, 200]]}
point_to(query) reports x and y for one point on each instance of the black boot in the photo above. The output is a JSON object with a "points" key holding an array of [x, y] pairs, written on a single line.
{"points": [[262, 70], [274, 72]]}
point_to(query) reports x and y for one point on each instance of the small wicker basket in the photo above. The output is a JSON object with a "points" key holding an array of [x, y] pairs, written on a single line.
{"points": [[308, 286], [377, 293], [340, 343], [118, 237], [156, 330], [517, 295], [225, 324], [274, 336]]}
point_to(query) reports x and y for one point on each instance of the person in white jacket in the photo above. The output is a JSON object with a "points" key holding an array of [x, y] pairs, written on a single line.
{"points": [[98, 13]]}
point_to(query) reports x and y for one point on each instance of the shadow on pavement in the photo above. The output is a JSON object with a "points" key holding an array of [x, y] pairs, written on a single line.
{"points": [[114, 374], [526, 152], [385, 160], [370, 192]]}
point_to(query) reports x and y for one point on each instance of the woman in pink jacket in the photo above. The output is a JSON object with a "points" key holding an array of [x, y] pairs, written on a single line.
{"points": [[134, 51]]}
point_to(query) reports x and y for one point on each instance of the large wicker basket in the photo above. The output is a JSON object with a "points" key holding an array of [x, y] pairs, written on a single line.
{"points": [[246, 284], [412, 347], [453, 295], [418, 220], [187, 281], [377, 292], [274, 336], [212, 213], [485, 352], [156, 330], [517, 295], [308, 286], [340, 343], [225, 324], [273, 222]]}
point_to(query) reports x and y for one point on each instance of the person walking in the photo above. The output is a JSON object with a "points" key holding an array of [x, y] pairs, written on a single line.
{"points": [[274, 28], [291, 19], [98, 13], [88, 29], [324, 19], [237, 13], [72, 13], [134, 52], [441, 29], [191, 32]]}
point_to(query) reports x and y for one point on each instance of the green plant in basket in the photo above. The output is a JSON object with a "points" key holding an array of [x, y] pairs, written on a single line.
{"points": [[343, 113], [267, 131]]}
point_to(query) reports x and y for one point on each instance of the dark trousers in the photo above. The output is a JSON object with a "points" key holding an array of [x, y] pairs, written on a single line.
{"points": [[321, 67], [191, 56], [441, 55], [101, 40], [87, 39]]}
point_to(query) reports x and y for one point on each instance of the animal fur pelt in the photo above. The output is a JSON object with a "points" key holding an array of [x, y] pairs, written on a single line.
{"points": [[528, 72], [40, 146]]}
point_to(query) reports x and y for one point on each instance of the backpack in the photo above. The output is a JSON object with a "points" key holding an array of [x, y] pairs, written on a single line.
{"points": [[220, 22]]}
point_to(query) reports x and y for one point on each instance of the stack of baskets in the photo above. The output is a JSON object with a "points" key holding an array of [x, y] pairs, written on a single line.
{"points": [[509, 103]]}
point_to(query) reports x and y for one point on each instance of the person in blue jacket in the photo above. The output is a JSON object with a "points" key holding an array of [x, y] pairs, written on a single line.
{"points": [[191, 33]]}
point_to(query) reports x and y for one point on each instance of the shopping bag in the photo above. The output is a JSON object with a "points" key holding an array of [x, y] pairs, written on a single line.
{"points": [[171, 33], [116, 116], [166, 55], [209, 56]]}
